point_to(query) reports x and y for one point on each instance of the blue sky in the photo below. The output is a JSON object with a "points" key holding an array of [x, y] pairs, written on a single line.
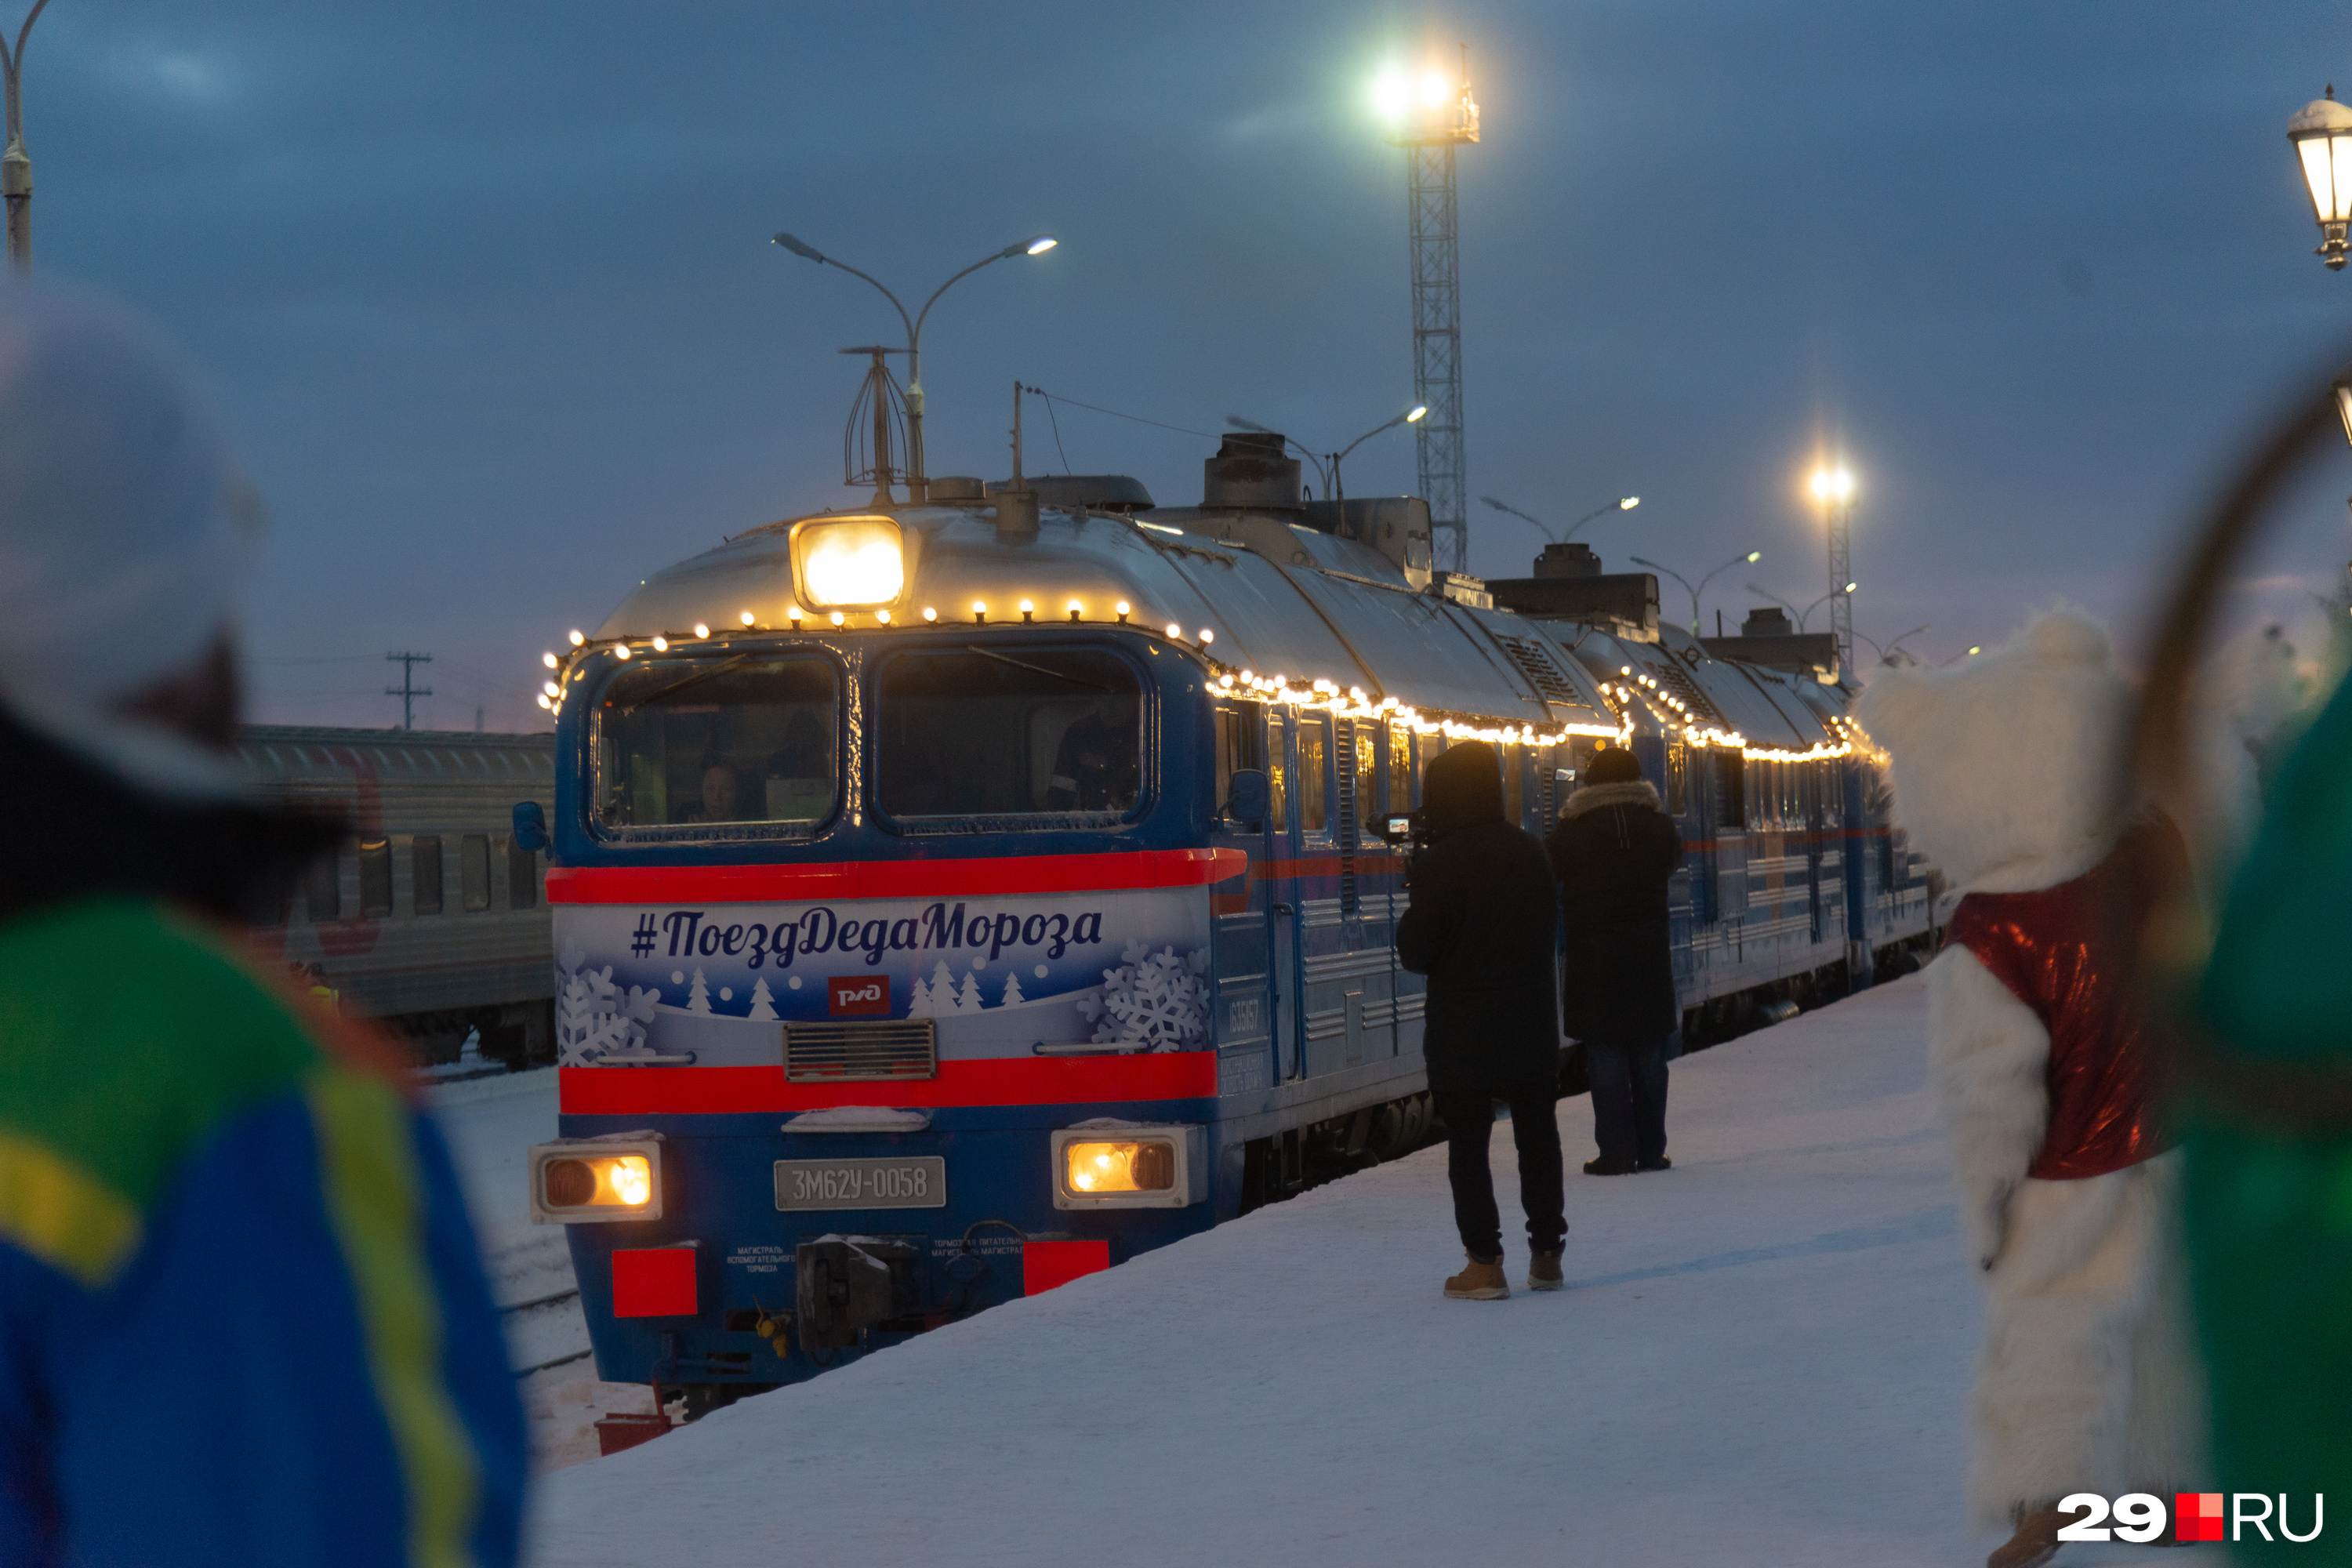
{"points": [[486, 292]]}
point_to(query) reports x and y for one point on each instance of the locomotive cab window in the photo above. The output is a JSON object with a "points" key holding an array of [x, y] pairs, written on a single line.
{"points": [[1313, 756], [1024, 731], [709, 741]]}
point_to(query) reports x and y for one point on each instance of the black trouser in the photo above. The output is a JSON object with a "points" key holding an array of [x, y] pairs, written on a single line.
{"points": [[1469, 1120], [1629, 1099]]}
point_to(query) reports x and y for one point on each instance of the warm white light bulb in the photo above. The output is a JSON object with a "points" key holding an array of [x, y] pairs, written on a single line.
{"points": [[837, 618], [577, 638], [701, 630], [746, 617], [661, 645], [550, 688], [930, 614], [548, 659], [1207, 635]]}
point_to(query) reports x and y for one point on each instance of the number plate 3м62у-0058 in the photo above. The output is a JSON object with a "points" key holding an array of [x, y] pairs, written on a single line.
{"points": [[918, 1183]]}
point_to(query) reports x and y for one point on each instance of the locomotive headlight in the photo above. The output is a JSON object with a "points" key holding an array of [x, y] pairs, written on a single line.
{"points": [[854, 563], [1127, 1166], [582, 1180]]}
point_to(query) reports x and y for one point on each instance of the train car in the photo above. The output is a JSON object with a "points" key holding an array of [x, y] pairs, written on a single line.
{"points": [[428, 917], [953, 897]]}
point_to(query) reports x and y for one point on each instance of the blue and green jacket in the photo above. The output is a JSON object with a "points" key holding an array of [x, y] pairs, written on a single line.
{"points": [[242, 1319]]}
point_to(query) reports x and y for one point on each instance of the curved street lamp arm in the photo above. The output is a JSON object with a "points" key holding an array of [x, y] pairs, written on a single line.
{"points": [[1679, 577], [915, 331], [1739, 560], [1369, 434], [15, 64], [1514, 512]]}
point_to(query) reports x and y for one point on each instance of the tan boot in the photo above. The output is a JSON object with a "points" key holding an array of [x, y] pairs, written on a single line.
{"points": [[1479, 1281], [1543, 1272], [2036, 1541]]}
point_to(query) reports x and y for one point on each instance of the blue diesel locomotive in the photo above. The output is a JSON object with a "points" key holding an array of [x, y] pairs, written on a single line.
{"points": [[950, 899]]}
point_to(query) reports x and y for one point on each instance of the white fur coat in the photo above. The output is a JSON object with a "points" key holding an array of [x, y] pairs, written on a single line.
{"points": [[2086, 1379]]}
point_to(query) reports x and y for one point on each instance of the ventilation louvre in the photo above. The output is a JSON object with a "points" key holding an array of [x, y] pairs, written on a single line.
{"points": [[848, 1052]]}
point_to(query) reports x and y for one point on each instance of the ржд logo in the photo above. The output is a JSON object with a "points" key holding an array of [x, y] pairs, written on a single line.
{"points": [[851, 995]]}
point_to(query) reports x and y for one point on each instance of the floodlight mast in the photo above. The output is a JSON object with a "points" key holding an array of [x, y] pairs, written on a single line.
{"points": [[1435, 117]]}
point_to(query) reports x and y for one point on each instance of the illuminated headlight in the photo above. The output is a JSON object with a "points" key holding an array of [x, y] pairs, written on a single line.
{"points": [[1124, 1166], [578, 1181], [858, 563]]}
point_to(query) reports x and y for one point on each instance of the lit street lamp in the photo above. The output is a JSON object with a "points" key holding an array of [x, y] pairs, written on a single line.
{"points": [[1806, 613], [15, 164], [2320, 133], [1833, 488], [1625, 503], [918, 482], [1749, 559]]}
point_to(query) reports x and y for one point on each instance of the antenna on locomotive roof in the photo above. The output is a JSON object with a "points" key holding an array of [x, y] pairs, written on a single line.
{"points": [[1016, 503]]}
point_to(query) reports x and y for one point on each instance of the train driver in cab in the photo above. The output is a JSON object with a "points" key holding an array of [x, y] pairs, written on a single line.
{"points": [[721, 799], [1098, 766]]}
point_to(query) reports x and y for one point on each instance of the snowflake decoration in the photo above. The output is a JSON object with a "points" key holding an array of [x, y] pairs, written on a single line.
{"points": [[1151, 1002], [594, 1017]]}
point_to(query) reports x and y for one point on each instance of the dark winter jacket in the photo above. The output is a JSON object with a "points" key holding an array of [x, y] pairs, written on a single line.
{"points": [[1483, 927], [1612, 851]]}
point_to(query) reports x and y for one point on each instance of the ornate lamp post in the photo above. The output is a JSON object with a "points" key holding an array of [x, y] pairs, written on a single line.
{"points": [[2321, 134], [15, 164]]}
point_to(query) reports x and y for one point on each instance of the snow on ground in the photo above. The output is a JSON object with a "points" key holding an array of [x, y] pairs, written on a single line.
{"points": [[1760, 1359], [491, 1124]]}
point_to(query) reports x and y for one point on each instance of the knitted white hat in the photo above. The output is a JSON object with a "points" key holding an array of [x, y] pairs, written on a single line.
{"points": [[124, 529]]}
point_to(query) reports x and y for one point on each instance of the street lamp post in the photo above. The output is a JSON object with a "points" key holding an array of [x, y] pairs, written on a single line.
{"points": [[1410, 417], [2321, 134], [15, 164], [918, 480], [1807, 613], [1749, 559], [1623, 503]]}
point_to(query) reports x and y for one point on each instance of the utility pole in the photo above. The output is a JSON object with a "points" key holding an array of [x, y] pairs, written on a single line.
{"points": [[408, 692], [1444, 117], [15, 164]]}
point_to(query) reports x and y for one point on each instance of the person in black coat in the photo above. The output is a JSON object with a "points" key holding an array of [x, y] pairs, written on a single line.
{"points": [[1483, 926], [1613, 852]]}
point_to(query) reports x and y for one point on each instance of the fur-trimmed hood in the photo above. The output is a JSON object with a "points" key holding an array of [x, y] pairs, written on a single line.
{"points": [[1593, 797]]}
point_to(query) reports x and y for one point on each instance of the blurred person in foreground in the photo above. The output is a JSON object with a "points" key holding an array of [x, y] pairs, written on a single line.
{"points": [[1481, 926], [1613, 850], [242, 1317]]}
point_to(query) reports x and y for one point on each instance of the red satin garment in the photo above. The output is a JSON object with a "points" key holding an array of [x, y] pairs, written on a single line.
{"points": [[2063, 952]]}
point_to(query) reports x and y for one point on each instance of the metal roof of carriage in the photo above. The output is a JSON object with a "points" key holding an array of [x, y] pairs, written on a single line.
{"points": [[1336, 611]]}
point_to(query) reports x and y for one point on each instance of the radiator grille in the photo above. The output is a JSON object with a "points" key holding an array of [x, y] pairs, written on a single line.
{"points": [[836, 1052], [1536, 663]]}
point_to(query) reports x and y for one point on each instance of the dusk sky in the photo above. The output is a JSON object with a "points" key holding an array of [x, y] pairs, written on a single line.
{"points": [[485, 294]]}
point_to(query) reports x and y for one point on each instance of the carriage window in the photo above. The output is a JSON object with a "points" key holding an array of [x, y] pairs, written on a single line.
{"points": [[1278, 776], [376, 877], [323, 886], [522, 877], [748, 739], [1314, 753], [1368, 757], [1730, 791], [1431, 745], [1399, 800], [424, 873], [1678, 778], [474, 872], [1241, 744], [1023, 733]]}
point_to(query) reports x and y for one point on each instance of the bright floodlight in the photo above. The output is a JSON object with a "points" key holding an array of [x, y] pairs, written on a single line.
{"points": [[853, 563], [2320, 133], [1418, 410], [1391, 93], [1434, 89], [1832, 484], [1629, 503], [1851, 586], [1042, 244]]}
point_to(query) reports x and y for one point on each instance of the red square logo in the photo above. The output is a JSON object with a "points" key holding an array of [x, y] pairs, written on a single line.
{"points": [[852, 995], [2196, 1516], [654, 1282]]}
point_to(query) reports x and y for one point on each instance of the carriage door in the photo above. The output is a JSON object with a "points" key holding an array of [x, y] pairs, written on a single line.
{"points": [[1246, 1038], [1282, 885]]}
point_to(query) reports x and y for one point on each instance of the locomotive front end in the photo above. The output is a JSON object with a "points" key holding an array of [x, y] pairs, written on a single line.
{"points": [[883, 931]]}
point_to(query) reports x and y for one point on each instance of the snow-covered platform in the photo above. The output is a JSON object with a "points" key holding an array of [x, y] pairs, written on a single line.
{"points": [[1760, 1359]]}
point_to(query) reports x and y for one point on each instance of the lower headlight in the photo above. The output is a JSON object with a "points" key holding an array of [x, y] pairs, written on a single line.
{"points": [[1118, 1165], [586, 1179], [1146, 1167]]}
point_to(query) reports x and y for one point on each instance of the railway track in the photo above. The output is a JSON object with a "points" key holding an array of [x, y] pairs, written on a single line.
{"points": [[550, 1299]]}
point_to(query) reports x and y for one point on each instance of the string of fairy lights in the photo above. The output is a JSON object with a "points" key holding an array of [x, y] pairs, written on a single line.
{"points": [[1620, 695]]}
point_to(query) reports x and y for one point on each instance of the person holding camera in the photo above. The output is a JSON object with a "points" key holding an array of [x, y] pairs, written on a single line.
{"points": [[1482, 927], [1614, 851]]}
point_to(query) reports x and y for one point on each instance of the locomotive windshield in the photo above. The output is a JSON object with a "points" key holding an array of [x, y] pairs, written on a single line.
{"points": [[712, 740], [1021, 732]]}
